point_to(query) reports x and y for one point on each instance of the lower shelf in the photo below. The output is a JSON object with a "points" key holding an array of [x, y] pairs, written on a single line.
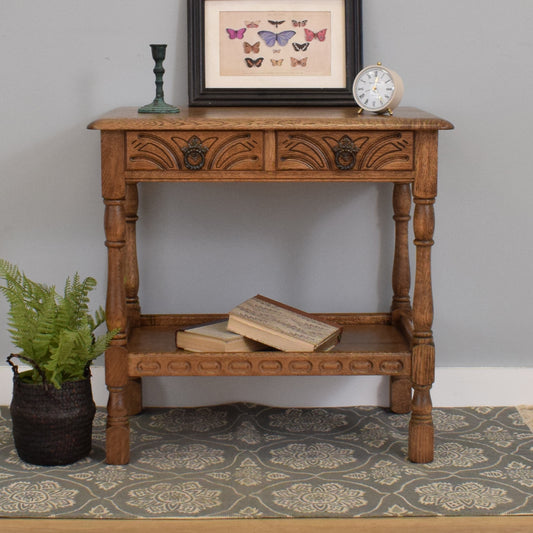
{"points": [[370, 345]]}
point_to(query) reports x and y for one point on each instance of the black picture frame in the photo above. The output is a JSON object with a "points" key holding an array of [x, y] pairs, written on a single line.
{"points": [[200, 95]]}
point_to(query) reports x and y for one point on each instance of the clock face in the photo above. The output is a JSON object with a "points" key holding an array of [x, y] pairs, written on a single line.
{"points": [[374, 89]]}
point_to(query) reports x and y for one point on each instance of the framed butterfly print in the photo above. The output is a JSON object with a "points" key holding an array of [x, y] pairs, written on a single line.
{"points": [[275, 53]]}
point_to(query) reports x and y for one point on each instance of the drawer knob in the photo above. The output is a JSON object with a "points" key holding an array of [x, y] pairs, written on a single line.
{"points": [[345, 152], [194, 154]]}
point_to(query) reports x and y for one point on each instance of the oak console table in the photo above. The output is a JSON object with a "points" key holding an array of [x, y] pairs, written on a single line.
{"points": [[273, 145]]}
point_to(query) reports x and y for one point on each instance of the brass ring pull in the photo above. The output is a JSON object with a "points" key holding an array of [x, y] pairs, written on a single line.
{"points": [[345, 153], [194, 154]]}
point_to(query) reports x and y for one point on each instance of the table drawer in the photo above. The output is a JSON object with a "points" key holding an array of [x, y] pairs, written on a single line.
{"points": [[345, 150], [194, 150]]}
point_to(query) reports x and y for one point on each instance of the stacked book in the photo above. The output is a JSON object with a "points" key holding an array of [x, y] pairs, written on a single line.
{"points": [[260, 324]]}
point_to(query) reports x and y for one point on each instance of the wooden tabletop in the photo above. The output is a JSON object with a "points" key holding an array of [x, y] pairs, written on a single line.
{"points": [[260, 118]]}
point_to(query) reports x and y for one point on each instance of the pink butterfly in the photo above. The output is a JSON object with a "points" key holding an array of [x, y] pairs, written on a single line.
{"points": [[320, 35], [236, 34], [252, 23]]}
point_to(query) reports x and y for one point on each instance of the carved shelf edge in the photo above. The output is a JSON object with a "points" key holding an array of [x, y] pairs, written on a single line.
{"points": [[268, 364]]}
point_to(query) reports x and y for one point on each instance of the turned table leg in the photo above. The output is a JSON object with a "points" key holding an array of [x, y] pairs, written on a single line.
{"points": [[400, 386], [421, 425], [133, 308], [116, 358], [131, 266], [116, 363], [421, 431]]}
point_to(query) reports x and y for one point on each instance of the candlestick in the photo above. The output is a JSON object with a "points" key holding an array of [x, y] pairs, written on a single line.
{"points": [[158, 105]]}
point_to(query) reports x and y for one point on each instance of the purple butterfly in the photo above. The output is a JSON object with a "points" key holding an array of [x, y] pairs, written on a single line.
{"points": [[270, 37], [236, 34]]}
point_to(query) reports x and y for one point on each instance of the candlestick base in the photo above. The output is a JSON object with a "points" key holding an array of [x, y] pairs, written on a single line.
{"points": [[158, 106]]}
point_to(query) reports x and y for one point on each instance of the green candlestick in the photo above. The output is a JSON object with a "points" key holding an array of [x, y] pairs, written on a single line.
{"points": [[159, 105]]}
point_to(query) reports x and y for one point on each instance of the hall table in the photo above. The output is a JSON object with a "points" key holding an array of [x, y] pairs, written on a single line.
{"points": [[273, 145]]}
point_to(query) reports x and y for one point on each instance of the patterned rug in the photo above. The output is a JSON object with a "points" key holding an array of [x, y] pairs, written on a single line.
{"points": [[252, 461]]}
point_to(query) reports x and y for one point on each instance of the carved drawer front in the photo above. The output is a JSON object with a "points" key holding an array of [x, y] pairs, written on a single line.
{"points": [[194, 150], [345, 150]]}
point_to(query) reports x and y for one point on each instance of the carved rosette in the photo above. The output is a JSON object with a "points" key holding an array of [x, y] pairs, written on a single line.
{"points": [[194, 151], [349, 151]]}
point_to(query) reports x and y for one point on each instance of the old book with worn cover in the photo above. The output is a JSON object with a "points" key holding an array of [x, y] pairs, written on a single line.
{"points": [[282, 327], [215, 337]]}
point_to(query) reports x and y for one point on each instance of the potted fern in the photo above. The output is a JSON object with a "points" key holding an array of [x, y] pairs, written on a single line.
{"points": [[52, 407]]}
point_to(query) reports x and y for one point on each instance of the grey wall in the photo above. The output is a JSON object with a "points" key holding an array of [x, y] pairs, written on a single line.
{"points": [[323, 247]]}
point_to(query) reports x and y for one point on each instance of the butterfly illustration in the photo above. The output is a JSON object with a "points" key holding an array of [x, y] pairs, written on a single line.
{"points": [[310, 35], [299, 23], [236, 34], [251, 48], [300, 47], [277, 50], [276, 62], [301, 62], [252, 23], [254, 62], [276, 22], [270, 37]]}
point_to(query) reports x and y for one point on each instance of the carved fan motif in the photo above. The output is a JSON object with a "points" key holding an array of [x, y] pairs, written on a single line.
{"points": [[194, 151], [349, 151]]}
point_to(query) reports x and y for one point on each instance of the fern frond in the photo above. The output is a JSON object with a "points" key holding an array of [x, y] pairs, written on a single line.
{"points": [[10, 272], [45, 330], [23, 313], [59, 359], [98, 319], [101, 343], [74, 304]]}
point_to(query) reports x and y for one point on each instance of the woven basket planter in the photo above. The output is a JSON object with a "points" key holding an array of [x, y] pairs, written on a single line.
{"points": [[52, 426]]}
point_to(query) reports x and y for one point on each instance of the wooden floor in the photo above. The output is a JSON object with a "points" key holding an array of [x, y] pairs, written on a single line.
{"points": [[515, 524]]}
